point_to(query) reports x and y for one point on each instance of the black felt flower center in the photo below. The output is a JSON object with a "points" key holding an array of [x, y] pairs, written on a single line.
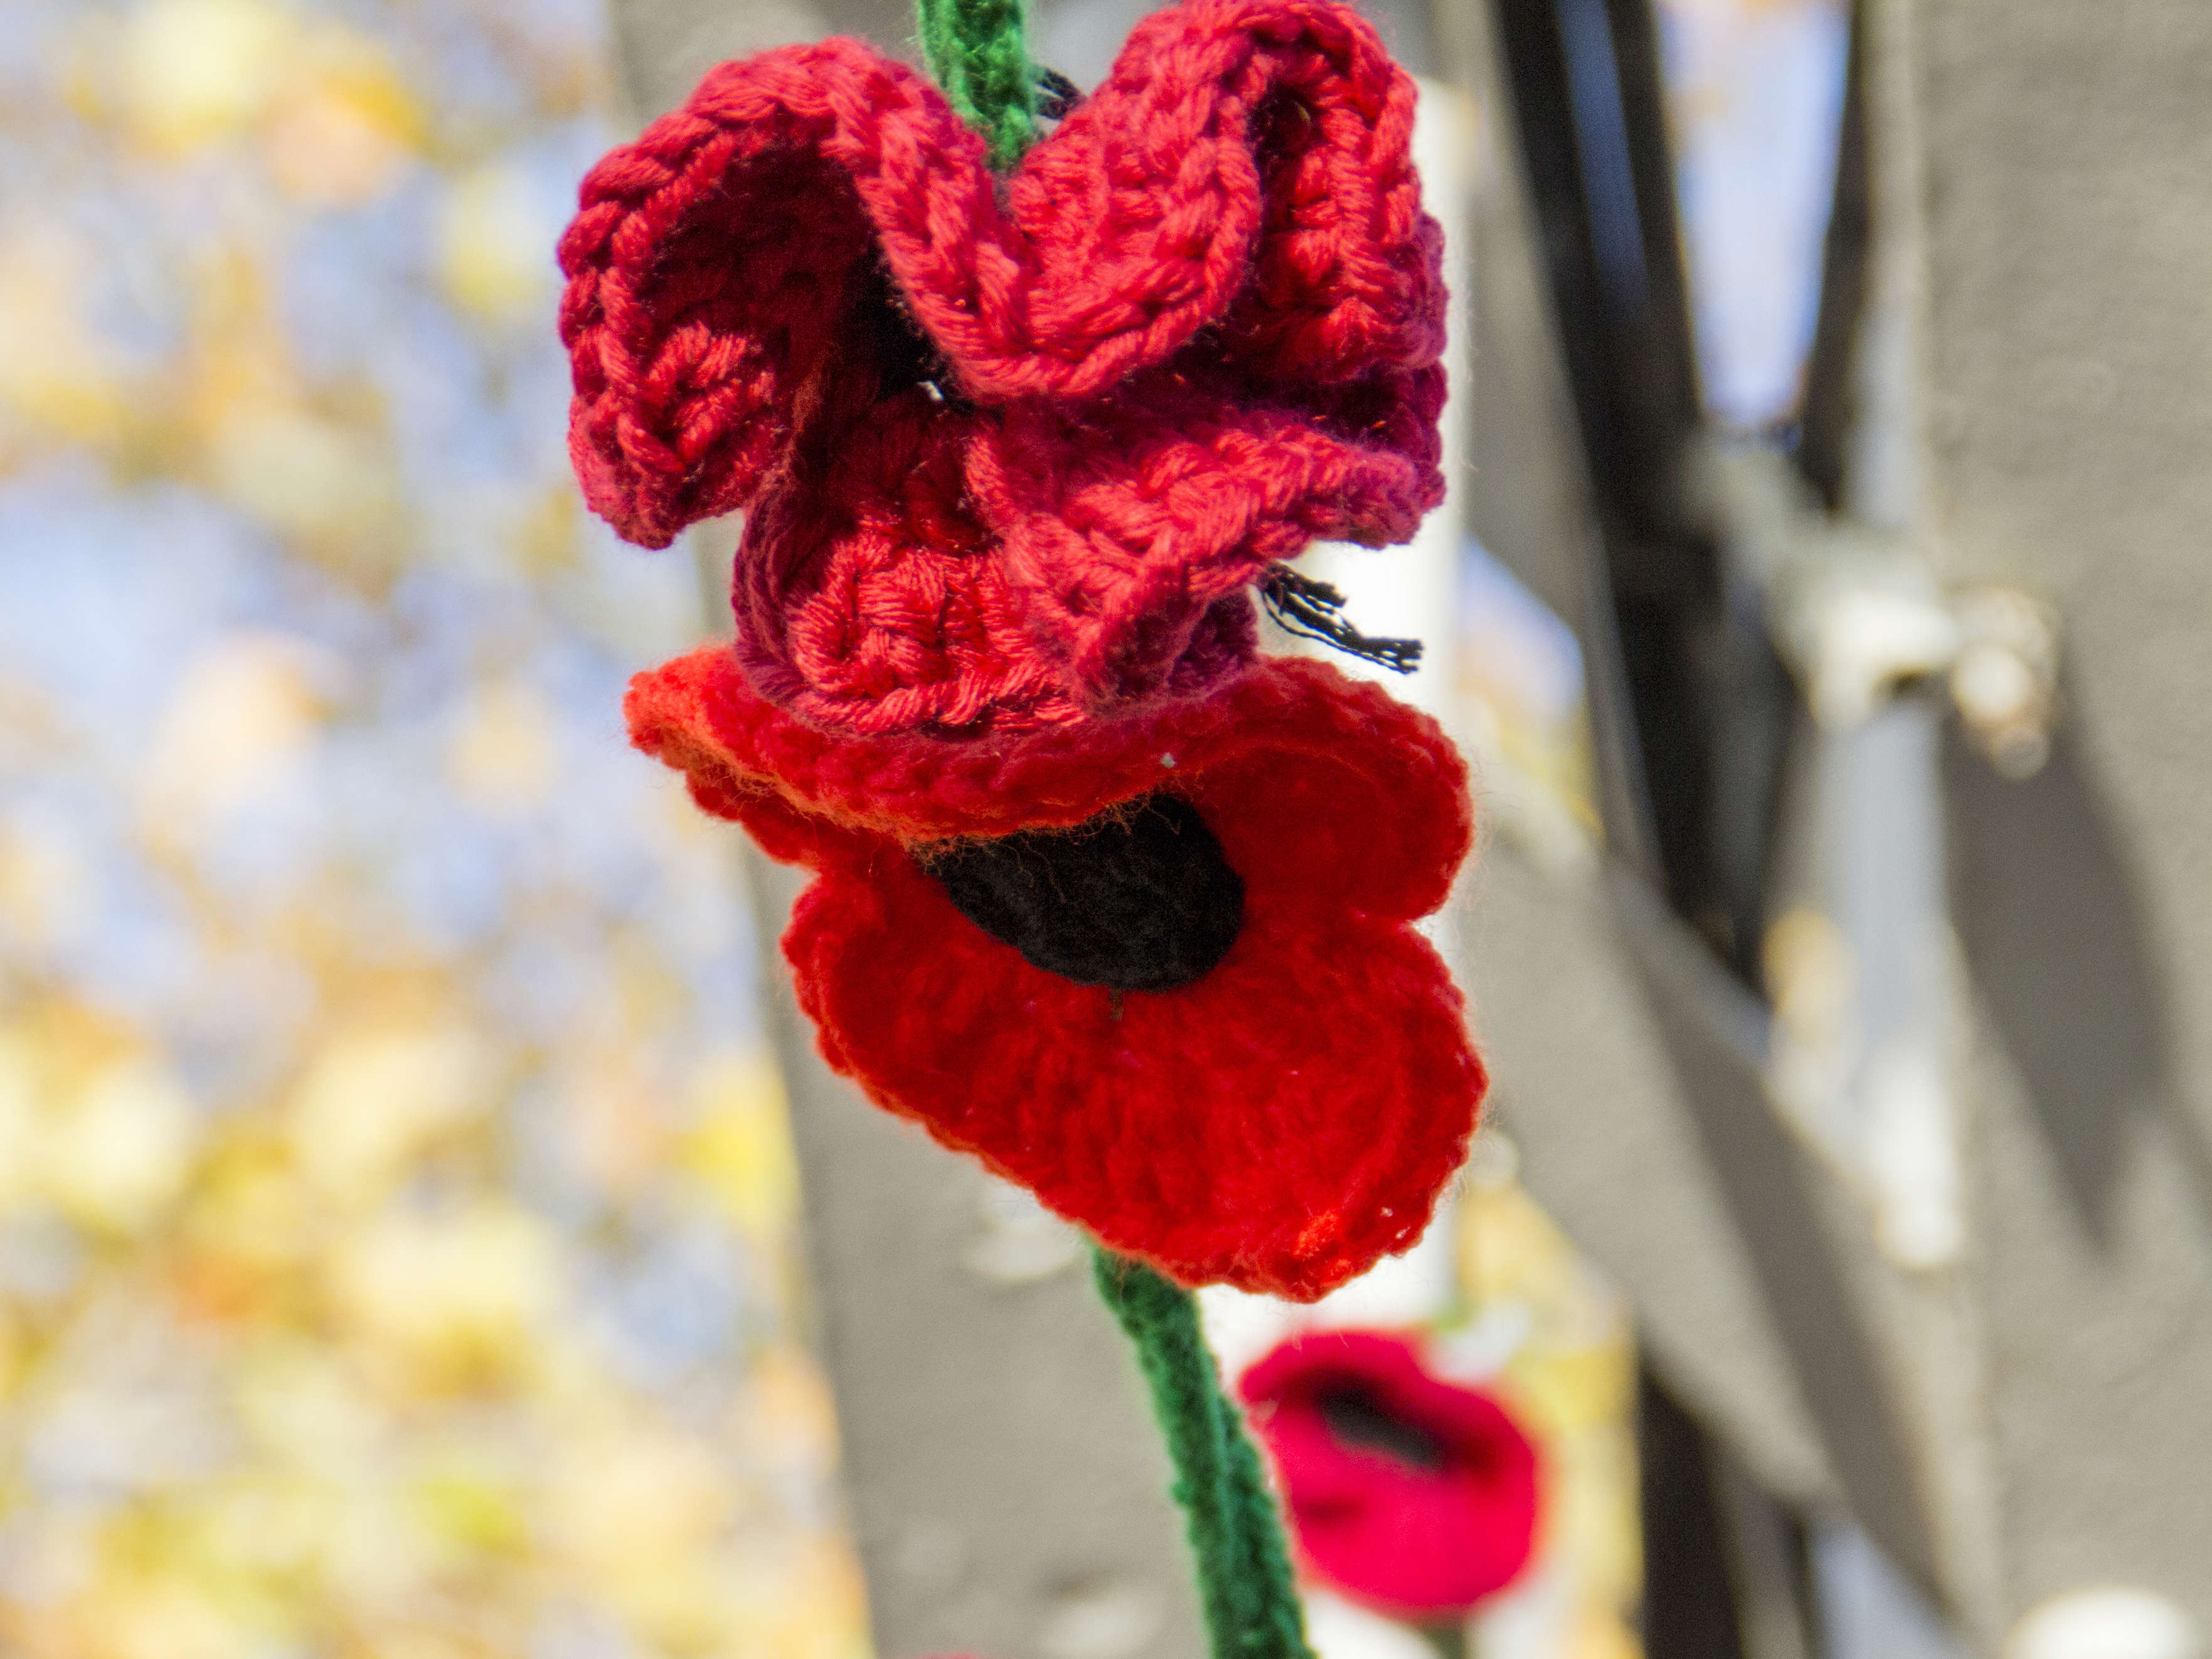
{"points": [[1140, 898]]}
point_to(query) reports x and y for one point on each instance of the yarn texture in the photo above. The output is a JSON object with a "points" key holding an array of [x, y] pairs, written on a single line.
{"points": [[1100, 896], [977, 52], [1246, 1593], [1279, 1123], [1014, 450], [1413, 1494]]}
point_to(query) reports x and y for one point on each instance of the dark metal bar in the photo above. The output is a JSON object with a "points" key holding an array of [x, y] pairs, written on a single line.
{"points": [[1707, 702]]}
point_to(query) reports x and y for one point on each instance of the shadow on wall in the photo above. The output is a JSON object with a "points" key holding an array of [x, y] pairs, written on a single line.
{"points": [[2060, 952]]}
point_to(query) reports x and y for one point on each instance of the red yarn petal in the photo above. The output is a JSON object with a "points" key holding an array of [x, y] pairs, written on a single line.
{"points": [[1247, 167], [1127, 524], [1414, 1541], [918, 569], [1311, 779], [707, 268], [1277, 1125], [1256, 153], [871, 597]]}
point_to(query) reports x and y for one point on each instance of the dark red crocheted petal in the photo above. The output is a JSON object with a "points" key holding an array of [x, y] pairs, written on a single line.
{"points": [[870, 597], [1278, 1125], [1249, 163], [1246, 167], [709, 265], [1414, 1541], [1309, 777], [914, 567], [1127, 525]]}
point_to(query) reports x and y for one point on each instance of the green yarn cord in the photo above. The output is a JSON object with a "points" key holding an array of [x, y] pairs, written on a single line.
{"points": [[1244, 1586], [977, 51]]}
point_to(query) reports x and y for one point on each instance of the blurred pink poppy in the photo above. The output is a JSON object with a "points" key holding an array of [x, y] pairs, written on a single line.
{"points": [[1415, 1496]]}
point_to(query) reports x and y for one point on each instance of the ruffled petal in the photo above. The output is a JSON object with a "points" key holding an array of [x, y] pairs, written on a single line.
{"points": [[871, 597], [1126, 526], [1278, 1125], [1247, 163], [1245, 168], [1311, 780], [710, 265]]}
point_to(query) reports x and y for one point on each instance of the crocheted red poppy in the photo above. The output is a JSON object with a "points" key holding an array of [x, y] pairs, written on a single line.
{"points": [[1416, 1496], [1014, 449], [1279, 1117]]}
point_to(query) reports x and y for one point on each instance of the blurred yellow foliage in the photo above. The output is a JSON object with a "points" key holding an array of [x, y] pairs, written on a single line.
{"points": [[366, 1135], [308, 477], [448, 1302], [738, 1146], [344, 126], [370, 1102], [1601, 1635], [118, 1150], [197, 70], [44, 885], [503, 755], [244, 713], [473, 1511], [57, 375], [786, 1404], [101, 1130], [496, 240], [628, 1499]]}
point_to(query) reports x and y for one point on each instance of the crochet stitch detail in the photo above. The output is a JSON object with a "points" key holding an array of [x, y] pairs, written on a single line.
{"points": [[1015, 453], [1279, 1123]]}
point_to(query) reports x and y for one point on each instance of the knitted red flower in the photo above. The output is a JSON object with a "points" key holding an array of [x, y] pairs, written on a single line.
{"points": [[1416, 1496], [1014, 449], [1157, 969]]}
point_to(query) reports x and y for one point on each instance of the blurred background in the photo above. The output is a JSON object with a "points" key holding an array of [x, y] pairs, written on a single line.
{"points": [[425, 1233]]}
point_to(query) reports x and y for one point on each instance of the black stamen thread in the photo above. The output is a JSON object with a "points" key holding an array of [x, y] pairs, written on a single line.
{"points": [[1134, 899], [1061, 95], [1315, 610]]}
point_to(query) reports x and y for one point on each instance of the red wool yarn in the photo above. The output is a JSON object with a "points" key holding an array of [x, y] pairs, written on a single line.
{"points": [[1414, 1495], [1012, 450], [1015, 449], [1280, 1123]]}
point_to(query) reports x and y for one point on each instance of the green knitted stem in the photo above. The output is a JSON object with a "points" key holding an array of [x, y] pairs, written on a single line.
{"points": [[976, 50], [1244, 1584]]}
